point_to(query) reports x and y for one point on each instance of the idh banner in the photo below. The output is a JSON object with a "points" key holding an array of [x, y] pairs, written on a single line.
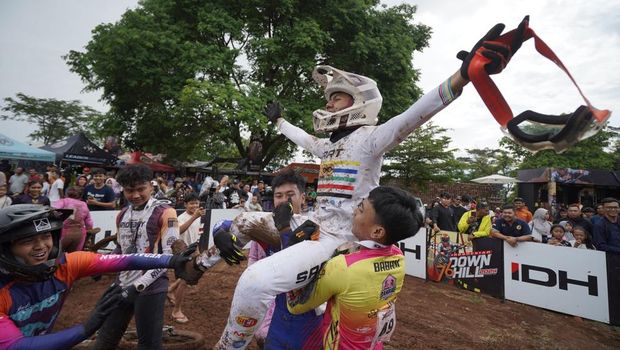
{"points": [[414, 249], [564, 279]]}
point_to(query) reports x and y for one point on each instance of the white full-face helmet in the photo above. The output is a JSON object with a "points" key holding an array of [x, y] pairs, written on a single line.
{"points": [[366, 99]]}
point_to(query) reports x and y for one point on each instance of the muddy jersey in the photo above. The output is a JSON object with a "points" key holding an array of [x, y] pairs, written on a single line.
{"points": [[28, 310], [351, 166], [147, 231], [360, 289]]}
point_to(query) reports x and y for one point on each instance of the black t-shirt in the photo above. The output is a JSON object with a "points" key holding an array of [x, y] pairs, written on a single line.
{"points": [[444, 217], [516, 228], [104, 194]]}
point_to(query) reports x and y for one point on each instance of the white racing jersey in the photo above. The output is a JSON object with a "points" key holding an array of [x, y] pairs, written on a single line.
{"points": [[351, 166]]}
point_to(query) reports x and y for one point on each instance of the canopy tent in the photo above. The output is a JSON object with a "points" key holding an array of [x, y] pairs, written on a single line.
{"points": [[79, 149], [495, 179], [11, 149], [141, 158]]}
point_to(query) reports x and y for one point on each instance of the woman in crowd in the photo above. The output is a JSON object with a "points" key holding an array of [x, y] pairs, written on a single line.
{"points": [[33, 195], [540, 225], [74, 228]]}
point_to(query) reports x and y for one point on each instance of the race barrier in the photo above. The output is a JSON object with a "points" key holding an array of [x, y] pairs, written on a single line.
{"points": [[579, 282]]}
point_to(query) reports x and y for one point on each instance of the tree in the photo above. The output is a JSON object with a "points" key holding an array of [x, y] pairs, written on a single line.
{"points": [[189, 74], [596, 152], [56, 119], [487, 161], [423, 157]]}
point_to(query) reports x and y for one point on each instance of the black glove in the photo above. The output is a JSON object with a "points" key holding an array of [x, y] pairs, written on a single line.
{"points": [[226, 243], [273, 111], [499, 54], [282, 215], [306, 231], [109, 301], [184, 265]]}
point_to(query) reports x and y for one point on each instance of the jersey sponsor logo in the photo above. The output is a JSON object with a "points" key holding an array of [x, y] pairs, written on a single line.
{"points": [[245, 321], [309, 274], [42, 224], [241, 334], [386, 265], [239, 343], [388, 287]]}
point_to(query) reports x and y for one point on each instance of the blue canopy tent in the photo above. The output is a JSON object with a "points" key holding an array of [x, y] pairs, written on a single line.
{"points": [[11, 149]]}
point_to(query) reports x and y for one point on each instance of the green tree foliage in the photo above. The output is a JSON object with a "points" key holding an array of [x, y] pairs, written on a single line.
{"points": [[487, 161], [56, 119], [423, 157], [186, 77], [596, 152]]}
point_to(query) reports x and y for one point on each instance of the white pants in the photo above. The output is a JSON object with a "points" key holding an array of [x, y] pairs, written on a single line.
{"points": [[284, 271]]}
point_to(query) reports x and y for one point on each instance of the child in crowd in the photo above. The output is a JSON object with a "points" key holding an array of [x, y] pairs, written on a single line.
{"points": [[582, 239], [5, 200], [557, 236], [190, 230]]}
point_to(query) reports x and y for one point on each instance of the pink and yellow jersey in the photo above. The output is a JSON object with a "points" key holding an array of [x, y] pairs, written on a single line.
{"points": [[360, 289]]}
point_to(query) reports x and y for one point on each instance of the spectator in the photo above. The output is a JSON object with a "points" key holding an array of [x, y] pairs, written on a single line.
{"points": [[190, 229], [57, 186], [33, 175], [233, 194], [33, 196], [576, 219], [607, 230], [74, 229], [562, 216], [540, 225], [558, 236], [521, 210], [582, 239], [465, 205], [600, 214], [568, 227], [2, 178], [588, 213], [255, 205], [17, 182], [442, 215], [254, 186], [476, 223], [5, 200], [113, 184], [249, 195], [510, 228], [46, 184], [82, 182], [98, 196]]}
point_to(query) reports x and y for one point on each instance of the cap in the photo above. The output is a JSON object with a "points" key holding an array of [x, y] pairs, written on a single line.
{"points": [[518, 199], [178, 179], [236, 181]]}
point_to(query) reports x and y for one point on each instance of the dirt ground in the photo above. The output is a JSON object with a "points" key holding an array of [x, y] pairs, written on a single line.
{"points": [[429, 316]]}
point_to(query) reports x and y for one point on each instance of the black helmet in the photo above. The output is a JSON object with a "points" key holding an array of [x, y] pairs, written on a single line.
{"points": [[26, 220]]}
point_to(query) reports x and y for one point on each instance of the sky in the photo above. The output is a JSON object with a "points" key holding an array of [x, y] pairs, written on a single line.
{"points": [[585, 35]]}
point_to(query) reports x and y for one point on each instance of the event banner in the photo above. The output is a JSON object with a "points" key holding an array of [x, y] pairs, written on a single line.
{"points": [[482, 269], [442, 246], [414, 249], [564, 279]]}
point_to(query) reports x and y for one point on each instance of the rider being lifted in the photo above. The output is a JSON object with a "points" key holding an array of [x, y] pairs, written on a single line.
{"points": [[351, 161]]}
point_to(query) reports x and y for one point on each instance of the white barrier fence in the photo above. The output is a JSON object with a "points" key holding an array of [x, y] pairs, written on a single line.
{"points": [[568, 280]]}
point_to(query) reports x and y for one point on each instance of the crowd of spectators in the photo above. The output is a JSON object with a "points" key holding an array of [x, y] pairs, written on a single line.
{"points": [[574, 225]]}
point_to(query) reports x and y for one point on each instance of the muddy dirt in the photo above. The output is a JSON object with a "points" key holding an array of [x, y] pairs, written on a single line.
{"points": [[429, 316]]}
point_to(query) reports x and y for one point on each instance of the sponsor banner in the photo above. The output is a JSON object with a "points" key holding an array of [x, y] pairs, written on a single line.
{"points": [[414, 249], [441, 246], [613, 285], [564, 279], [481, 270]]}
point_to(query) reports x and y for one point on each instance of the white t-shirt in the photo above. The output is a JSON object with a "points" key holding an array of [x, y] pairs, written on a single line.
{"points": [[53, 194], [193, 232]]}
